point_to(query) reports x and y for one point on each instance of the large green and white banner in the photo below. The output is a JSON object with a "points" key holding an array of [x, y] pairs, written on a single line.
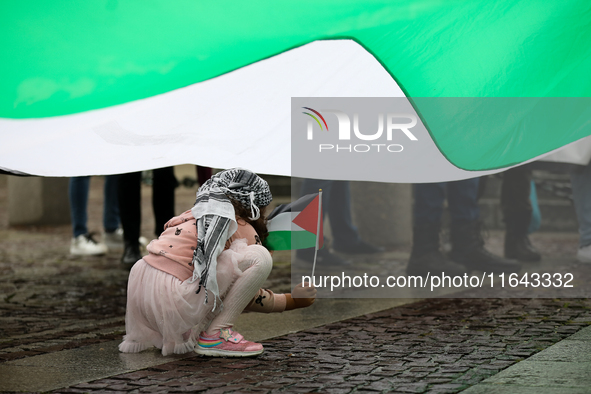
{"points": [[100, 87]]}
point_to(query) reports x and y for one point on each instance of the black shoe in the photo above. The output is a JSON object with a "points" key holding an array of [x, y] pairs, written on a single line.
{"points": [[520, 248], [324, 257], [483, 260], [468, 250], [360, 247], [131, 254], [433, 263], [426, 256]]}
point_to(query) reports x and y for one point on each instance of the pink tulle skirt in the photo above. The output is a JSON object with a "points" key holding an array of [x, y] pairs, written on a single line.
{"points": [[166, 313]]}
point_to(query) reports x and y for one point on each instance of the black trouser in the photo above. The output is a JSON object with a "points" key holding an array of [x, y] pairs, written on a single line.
{"points": [[164, 183], [515, 201]]}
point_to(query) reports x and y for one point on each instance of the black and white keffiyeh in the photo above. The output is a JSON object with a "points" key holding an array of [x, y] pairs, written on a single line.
{"points": [[216, 219]]}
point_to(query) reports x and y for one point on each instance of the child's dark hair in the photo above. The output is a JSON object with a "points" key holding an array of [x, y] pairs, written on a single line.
{"points": [[259, 225]]}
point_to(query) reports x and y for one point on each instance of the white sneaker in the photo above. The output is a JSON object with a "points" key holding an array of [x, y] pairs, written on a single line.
{"points": [[584, 254], [115, 243], [84, 245], [114, 240]]}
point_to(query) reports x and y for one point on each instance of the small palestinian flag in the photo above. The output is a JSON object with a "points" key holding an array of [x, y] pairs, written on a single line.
{"points": [[295, 225]]}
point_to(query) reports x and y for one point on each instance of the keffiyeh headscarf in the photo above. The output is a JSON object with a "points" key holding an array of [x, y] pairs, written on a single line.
{"points": [[216, 219]]}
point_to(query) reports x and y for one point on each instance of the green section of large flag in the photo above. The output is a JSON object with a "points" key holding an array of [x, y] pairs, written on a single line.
{"points": [[483, 133], [66, 57]]}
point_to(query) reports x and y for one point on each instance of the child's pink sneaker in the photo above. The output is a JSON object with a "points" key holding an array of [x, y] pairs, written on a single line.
{"points": [[228, 343]]}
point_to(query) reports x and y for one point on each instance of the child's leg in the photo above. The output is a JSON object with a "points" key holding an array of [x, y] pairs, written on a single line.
{"points": [[256, 266]]}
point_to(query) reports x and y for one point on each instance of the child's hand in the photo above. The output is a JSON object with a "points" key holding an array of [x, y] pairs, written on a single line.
{"points": [[304, 295]]}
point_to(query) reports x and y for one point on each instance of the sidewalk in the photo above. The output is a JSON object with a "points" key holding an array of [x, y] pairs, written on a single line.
{"points": [[434, 346], [61, 319]]}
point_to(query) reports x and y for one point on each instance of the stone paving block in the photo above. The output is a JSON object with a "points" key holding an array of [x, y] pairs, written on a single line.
{"points": [[364, 378], [502, 363], [121, 392], [379, 385], [508, 357], [401, 379], [294, 390], [583, 335], [453, 369], [142, 382], [411, 388], [270, 385], [434, 380], [154, 389], [362, 362], [169, 375], [479, 355], [521, 353], [120, 387], [460, 350], [134, 375], [336, 390], [91, 386], [446, 358]]}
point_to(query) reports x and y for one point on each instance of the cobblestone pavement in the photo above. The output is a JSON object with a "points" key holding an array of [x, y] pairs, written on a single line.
{"points": [[433, 346], [50, 301]]}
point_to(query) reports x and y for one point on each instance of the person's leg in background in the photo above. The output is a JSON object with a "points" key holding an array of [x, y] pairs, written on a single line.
{"points": [[78, 193], [203, 174], [163, 189], [130, 212], [517, 214], [462, 197], [113, 234], [82, 243], [581, 183], [466, 238], [339, 212], [428, 204], [426, 256], [345, 234], [111, 219]]}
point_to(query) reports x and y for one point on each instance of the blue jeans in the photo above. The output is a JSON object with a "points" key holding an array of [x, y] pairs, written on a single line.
{"points": [[462, 199], [78, 193], [336, 203], [581, 183]]}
